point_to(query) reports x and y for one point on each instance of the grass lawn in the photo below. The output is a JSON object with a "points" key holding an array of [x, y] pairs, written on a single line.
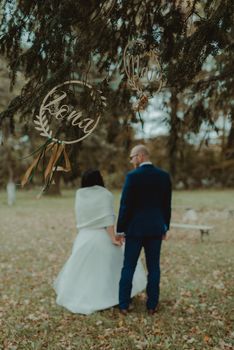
{"points": [[196, 286]]}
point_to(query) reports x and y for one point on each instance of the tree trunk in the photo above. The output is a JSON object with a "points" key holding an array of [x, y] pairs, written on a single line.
{"points": [[54, 189], [229, 154], [173, 137], [230, 141]]}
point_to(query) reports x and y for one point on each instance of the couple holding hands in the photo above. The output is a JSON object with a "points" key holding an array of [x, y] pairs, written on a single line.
{"points": [[102, 271]]}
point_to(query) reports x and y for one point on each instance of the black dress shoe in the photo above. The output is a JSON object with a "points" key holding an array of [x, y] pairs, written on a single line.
{"points": [[152, 312], [124, 312], [127, 310]]}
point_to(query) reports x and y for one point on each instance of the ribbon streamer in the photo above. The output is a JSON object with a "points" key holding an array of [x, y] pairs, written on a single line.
{"points": [[56, 149]]}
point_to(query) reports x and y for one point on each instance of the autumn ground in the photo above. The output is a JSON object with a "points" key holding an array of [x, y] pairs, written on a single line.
{"points": [[196, 291]]}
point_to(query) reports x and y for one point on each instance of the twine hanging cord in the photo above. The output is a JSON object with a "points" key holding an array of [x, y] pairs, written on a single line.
{"points": [[56, 149]]}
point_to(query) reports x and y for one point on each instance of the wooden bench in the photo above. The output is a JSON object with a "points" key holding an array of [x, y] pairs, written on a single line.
{"points": [[204, 230]]}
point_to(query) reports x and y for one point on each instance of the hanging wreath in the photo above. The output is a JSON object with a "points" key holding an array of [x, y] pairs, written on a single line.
{"points": [[62, 109], [143, 69]]}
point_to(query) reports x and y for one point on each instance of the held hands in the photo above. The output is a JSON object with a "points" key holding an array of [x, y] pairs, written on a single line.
{"points": [[118, 240], [115, 241]]}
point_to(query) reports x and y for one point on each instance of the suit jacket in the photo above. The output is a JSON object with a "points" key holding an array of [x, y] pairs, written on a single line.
{"points": [[145, 207]]}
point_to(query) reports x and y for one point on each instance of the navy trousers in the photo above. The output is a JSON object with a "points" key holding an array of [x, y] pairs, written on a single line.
{"points": [[133, 248]]}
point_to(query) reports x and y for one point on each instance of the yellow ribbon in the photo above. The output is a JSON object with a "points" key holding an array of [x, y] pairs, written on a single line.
{"points": [[57, 150]]}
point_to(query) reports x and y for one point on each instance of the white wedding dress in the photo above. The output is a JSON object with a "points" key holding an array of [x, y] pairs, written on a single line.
{"points": [[89, 280]]}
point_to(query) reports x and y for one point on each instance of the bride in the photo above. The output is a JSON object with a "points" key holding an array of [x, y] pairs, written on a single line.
{"points": [[89, 280]]}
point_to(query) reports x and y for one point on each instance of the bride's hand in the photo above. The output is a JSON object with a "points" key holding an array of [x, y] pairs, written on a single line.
{"points": [[116, 242], [120, 238]]}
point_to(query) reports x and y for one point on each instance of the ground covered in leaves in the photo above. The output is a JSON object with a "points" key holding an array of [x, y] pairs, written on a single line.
{"points": [[196, 287]]}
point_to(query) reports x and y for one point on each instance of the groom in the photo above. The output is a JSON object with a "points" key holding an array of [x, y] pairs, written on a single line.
{"points": [[144, 217]]}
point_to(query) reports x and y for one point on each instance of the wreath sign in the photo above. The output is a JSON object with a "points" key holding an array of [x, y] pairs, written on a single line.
{"points": [[52, 109]]}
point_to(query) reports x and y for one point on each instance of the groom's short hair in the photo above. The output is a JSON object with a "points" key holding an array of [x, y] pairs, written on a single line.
{"points": [[142, 149]]}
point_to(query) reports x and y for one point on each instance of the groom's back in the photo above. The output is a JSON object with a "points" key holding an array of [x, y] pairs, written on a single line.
{"points": [[150, 189], [150, 184]]}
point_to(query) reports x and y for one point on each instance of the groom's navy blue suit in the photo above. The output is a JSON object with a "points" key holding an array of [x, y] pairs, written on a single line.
{"points": [[144, 217]]}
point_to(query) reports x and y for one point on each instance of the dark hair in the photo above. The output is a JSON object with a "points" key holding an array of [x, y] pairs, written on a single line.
{"points": [[92, 177]]}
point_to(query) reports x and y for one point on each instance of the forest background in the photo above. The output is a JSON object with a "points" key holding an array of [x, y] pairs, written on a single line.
{"points": [[188, 126]]}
